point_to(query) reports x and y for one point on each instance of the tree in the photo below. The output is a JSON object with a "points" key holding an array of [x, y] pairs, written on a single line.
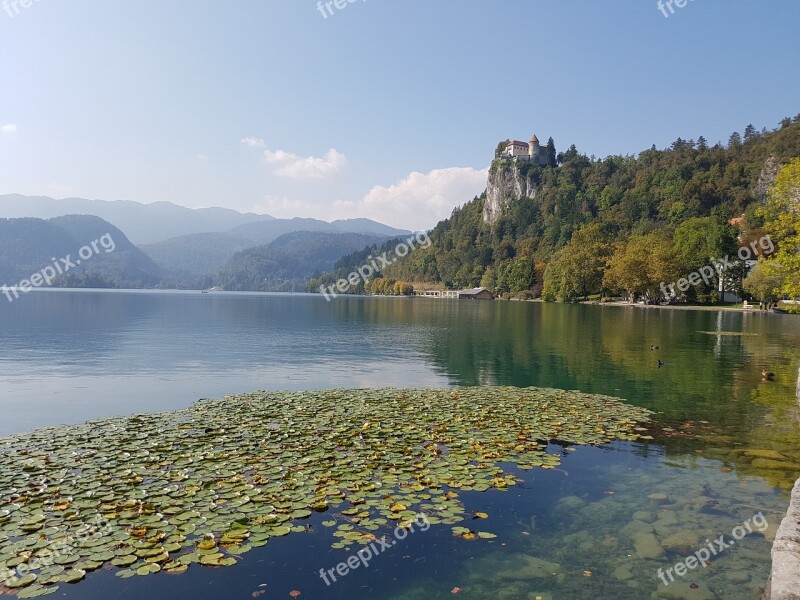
{"points": [[750, 133], [551, 153], [489, 280], [701, 241], [762, 285], [403, 288], [641, 266], [577, 270], [702, 143], [735, 140], [500, 147], [781, 215]]}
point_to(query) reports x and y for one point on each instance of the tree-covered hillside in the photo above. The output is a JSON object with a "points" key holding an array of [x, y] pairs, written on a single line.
{"points": [[624, 198], [286, 264], [29, 245]]}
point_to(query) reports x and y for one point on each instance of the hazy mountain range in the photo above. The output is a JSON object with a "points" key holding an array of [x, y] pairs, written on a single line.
{"points": [[27, 246], [177, 246], [160, 221]]}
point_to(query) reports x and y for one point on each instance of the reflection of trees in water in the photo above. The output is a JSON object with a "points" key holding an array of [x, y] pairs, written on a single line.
{"points": [[607, 350]]}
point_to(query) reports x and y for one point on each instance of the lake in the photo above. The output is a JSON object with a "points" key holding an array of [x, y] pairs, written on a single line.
{"points": [[601, 525]]}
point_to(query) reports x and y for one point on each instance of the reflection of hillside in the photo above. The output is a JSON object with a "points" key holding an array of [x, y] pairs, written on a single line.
{"points": [[769, 446], [708, 378], [60, 323]]}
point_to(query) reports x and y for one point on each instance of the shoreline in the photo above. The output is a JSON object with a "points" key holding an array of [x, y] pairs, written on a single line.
{"points": [[727, 308], [618, 304]]}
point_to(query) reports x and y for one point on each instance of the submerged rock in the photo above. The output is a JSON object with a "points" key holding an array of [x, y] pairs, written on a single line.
{"points": [[529, 567], [644, 515], [685, 541], [569, 504], [776, 465], [770, 454], [647, 546], [623, 573], [659, 497], [635, 528]]}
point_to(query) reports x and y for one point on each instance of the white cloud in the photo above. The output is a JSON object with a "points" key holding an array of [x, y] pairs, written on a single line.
{"points": [[299, 167], [420, 200], [8, 128], [254, 142], [311, 167]]}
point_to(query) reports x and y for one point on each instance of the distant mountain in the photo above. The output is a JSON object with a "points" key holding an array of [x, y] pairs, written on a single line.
{"points": [[180, 247], [189, 256], [160, 227], [286, 263], [264, 232], [144, 223], [27, 246]]}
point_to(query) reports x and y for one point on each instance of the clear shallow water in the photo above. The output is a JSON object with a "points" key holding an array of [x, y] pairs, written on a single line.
{"points": [[72, 356]]}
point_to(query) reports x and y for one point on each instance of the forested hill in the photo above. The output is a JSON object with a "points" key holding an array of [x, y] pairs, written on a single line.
{"points": [[504, 239], [286, 264]]}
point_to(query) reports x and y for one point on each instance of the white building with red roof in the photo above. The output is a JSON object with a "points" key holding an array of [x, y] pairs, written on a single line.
{"points": [[530, 151]]}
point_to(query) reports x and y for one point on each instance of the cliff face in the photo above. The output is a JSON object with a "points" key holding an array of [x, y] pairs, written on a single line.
{"points": [[506, 183], [769, 173]]}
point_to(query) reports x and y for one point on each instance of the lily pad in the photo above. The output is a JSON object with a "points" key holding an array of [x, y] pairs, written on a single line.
{"points": [[153, 492]]}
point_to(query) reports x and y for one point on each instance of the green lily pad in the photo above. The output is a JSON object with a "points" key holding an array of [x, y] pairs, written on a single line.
{"points": [[21, 582], [73, 576], [124, 561], [164, 491], [37, 591]]}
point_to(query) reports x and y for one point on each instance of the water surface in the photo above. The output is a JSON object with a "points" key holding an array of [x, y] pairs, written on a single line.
{"points": [[608, 519]]}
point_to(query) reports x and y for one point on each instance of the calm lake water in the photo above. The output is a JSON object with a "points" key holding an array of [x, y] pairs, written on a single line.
{"points": [[600, 526]]}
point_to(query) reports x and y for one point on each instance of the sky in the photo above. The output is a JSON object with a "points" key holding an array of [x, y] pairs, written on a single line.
{"points": [[385, 109]]}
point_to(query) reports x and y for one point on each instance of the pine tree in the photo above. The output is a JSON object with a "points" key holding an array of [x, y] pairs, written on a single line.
{"points": [[551, 153]]}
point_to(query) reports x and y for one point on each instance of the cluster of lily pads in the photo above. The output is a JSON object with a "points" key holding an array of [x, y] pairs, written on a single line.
{"points": [[160, 492]]}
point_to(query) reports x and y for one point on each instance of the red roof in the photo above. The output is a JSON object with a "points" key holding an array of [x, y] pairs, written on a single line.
{"points": [[534, 138]]}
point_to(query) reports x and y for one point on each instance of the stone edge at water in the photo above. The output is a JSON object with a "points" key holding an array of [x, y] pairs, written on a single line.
{"points": [[784, 581]]}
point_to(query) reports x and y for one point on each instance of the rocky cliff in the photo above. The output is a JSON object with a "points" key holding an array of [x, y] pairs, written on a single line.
{"points": [[508, 181], [769, 173]]}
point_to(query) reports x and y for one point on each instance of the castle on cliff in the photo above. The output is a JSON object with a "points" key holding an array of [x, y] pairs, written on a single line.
{"points": [[532, 151]]}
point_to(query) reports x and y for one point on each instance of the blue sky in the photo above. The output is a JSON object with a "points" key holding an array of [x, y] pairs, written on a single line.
{"points": [[386, 109]]}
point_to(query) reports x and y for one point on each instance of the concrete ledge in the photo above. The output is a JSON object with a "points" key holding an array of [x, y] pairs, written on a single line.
{"points": [[785, 579]]}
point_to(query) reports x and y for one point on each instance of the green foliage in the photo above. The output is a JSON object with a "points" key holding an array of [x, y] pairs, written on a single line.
{"points": [[782, 222], [351, 263], [700, 241], [641, 265], [29, 245], [286, 264], [577, 270], [760, 284], [626, 196]]}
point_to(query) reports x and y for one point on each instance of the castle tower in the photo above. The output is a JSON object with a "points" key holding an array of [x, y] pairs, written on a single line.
{"points": [[533, 147]]}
